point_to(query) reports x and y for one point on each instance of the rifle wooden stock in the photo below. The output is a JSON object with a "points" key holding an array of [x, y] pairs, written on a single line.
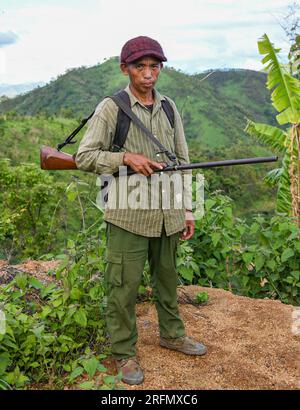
{"points": [[51, 159]]}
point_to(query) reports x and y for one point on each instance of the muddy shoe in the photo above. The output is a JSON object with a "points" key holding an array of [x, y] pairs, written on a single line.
{"points": [[184, 344], [131, 370]]}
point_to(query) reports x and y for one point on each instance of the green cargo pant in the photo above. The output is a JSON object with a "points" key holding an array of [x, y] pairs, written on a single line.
{"points": [[126, 257]]}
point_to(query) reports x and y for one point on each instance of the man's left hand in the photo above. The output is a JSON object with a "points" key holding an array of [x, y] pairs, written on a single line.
{"points": [[189, 230]]}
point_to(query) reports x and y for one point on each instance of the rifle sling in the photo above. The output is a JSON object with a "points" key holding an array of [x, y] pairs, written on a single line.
{"points": [[128, 111], [73, 133]]}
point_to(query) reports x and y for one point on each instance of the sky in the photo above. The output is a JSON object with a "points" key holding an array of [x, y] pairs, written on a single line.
{"points": [[41, 39]]}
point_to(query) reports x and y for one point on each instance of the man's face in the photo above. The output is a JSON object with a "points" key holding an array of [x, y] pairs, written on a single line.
{"points": [[143, 73]]}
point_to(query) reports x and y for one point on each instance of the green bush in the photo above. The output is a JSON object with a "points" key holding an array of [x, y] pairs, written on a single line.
{"points": [[257, 259], [55, 330], [28, 199]]}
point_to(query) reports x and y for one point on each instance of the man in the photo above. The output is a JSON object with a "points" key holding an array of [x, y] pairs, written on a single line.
{"points": [[135, 235]]}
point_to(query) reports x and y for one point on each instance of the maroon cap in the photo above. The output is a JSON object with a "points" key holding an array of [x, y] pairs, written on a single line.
{"points": [[140, 47]]}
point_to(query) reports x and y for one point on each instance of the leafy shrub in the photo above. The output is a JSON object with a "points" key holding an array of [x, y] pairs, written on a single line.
{"points": [[28, 199], [271, 260], [54, 330], [257, 259]]}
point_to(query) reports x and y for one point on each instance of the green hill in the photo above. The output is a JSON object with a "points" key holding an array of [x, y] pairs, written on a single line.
{"points": [[21, 137], [214, 111]]}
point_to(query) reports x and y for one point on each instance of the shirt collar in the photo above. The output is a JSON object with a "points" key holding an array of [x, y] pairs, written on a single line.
{"points": [[133, 100]]}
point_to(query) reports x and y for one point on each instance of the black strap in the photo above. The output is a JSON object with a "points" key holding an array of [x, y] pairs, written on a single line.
{"points": [[124, 107], [167, 107], [123, 123], [73, 133]]}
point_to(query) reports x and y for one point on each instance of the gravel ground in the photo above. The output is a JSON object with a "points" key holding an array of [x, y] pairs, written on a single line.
{"points": [[250, 345]]}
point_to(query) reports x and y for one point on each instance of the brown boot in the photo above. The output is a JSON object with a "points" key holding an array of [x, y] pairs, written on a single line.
{"points": [[184, 344], [131, 370]]}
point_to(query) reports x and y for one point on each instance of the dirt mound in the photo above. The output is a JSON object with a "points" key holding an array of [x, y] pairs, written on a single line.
{"points": [[38, 269], [250, 345], [250, 342]]}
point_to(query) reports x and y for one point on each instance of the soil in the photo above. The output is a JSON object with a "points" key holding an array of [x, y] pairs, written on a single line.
{"points": [[250, 342]]}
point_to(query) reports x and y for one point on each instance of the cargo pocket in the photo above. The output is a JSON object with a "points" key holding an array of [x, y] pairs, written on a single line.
{"points": [[174, 246], [114, 268]]}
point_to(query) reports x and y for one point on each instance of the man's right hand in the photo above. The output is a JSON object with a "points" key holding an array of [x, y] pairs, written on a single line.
{"points": [[141, 164]]}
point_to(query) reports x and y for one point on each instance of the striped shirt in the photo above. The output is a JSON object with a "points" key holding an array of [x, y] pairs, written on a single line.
{"points": [[94, 155]]}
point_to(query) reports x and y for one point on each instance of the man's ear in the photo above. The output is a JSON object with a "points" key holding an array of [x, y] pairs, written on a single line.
{"points": [[124, 68], [161, 66]]}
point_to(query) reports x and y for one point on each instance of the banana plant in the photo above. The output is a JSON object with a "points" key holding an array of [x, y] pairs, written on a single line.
{"points": [[285, 97]]}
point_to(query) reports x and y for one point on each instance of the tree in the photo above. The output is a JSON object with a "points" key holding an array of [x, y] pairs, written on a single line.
{"points": [[286, 100], [290, 23]]}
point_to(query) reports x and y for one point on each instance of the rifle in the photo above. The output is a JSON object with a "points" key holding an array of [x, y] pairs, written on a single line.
{"points": [[52, 159]]}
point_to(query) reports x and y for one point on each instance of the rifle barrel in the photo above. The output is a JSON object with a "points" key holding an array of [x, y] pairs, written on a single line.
{"points": [[212, 164], [223, 163]]}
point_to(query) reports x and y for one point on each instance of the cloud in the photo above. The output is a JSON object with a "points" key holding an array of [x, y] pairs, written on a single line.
{"points": [[227, 25], [8, 38], [2, 63], [195, 34]]}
